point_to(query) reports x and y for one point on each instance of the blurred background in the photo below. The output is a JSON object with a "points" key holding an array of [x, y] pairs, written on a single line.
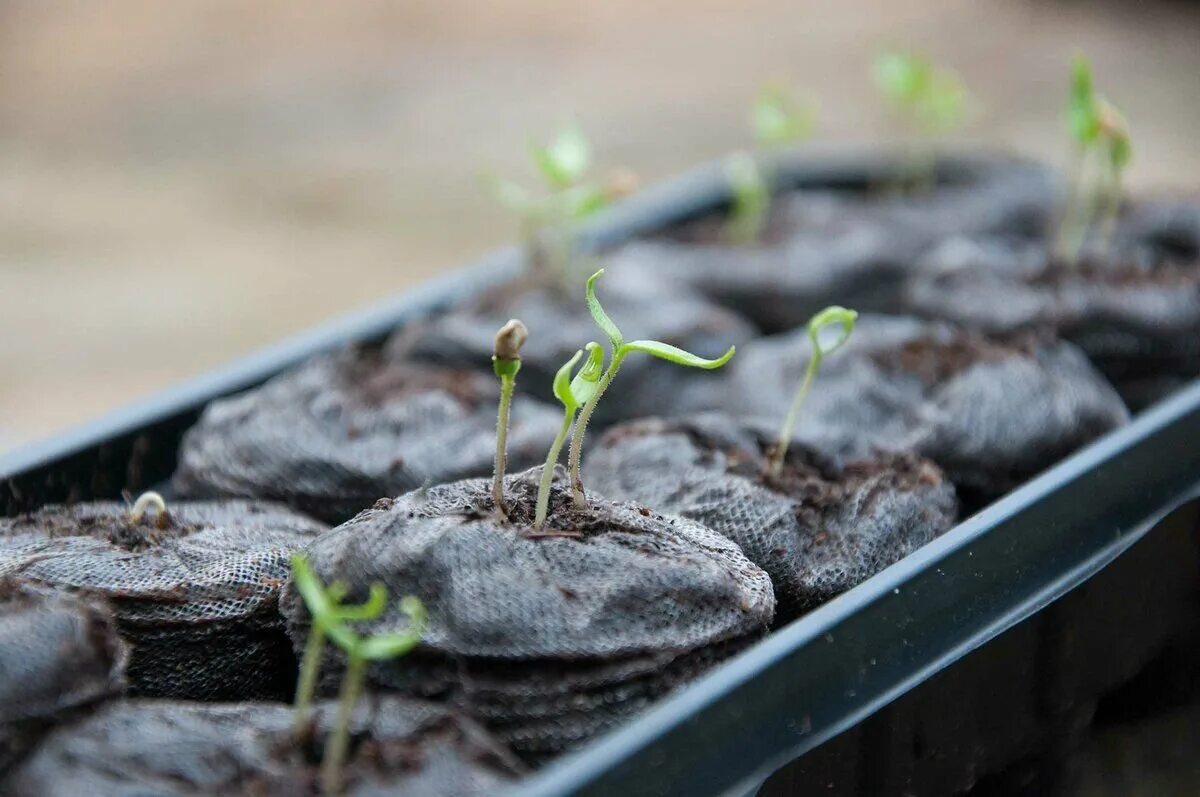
{"points": [[181, 182]]}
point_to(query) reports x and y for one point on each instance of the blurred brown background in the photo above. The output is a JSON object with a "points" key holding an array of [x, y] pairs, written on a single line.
{"points": [[181, 182]]}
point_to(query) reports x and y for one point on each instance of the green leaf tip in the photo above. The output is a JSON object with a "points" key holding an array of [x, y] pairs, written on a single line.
{"points": [[665, 351], [606, 324], [779, 119], [934, 98], [902, 77], [565, 160], [827, 318], [1083, 111]]}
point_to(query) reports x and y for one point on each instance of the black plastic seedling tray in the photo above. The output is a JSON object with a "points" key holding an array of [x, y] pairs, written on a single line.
{"points": [[988, 648]]}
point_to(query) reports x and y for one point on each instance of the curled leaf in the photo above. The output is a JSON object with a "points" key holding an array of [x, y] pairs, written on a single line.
{"points": [[587, 381], [606, 324], [562, 382], [665, 351], [827, 318]]}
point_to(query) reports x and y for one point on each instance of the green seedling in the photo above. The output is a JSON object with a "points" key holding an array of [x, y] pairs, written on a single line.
{"points": [[506, 362], [778, 121], [572, 393], [931, 101], [325, 606], [328, 615], [1099, 135], [148, 501], [620, 350], [548, 218], [829, 317]]}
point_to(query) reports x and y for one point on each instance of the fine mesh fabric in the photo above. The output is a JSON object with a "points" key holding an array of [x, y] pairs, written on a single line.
{"points": [[59, 652], [822, 527], [849, 248], [546, 637], [134, 748], [195, 593], [341, 431], [990, 412], [1136, 314], [559, 325]]}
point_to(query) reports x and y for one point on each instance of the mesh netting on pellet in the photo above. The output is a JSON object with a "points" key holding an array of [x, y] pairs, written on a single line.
{"points": [[59, 652], [133, 748], [548, 637], [990, 412], [1134, 310], [854, 248], [332, 436], [824, 525], [195, 592]]}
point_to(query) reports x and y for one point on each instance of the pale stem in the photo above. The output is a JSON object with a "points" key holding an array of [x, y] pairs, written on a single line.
{"points": [[775, 462], [1072, 228], [1110, 207], [339, 739], [585, 415], [506, 391], [307, 683], [543, 498]]}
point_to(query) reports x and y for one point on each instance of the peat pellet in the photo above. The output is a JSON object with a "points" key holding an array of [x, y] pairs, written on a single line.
{"points": [[991, 412], [59, 653], [559, 325], [854, 247], [195, 591], [824, 524], [133, 748], [1134, 311], [546, 636], [334, 435]]}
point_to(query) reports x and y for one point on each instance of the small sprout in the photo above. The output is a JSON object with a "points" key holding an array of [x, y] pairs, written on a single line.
{"points": [[778, 121], [1099, 134], [359, 652], [828, 317], [506, 362], [548, 219], [931, 100], [572, 394], [325, 607], [620, 350], [152, 502]]}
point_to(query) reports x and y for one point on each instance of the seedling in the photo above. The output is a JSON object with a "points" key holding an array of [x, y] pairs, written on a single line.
{"points": [[573, 394], [506, 362], [330, 617], [620, 350], [1098, 134], [930, 101], [148, 501], [548, 218], [778, 121], [325, 607], [828, 317]]}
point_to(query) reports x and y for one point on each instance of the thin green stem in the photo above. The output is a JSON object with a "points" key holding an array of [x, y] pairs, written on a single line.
{"points": [[307, 683], [775, 461], [543, 497], [585, 415], [1110, 207], [1072, 228], [339, 740], [506, 391]]}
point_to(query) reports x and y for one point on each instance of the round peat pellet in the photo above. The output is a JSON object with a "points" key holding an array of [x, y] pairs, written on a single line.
{"points": [[195, 590]]}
